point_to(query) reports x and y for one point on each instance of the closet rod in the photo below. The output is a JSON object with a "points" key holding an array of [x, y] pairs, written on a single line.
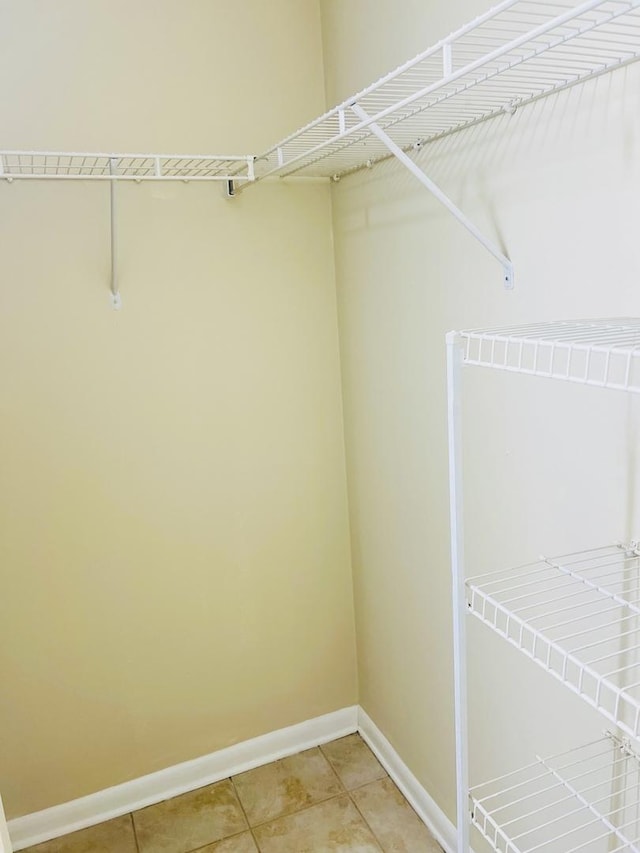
{"points": [[116, 299]]}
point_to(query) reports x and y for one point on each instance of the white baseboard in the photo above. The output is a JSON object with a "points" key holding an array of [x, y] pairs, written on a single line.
{"points": [[426, 807], [156, 787], [5, 841], [147, 790]]}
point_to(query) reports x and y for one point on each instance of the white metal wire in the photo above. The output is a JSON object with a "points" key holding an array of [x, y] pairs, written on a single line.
{"points": [[604, 353], [578, 617], [587, 799], [518, 51], [118, 167]]}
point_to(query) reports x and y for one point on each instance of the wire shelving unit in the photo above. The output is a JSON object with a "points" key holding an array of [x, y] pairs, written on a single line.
{"points": [[577, 616], [585, 799]]}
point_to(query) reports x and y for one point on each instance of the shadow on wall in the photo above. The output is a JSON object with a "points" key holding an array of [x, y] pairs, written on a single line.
{"points": [[583, 118]]}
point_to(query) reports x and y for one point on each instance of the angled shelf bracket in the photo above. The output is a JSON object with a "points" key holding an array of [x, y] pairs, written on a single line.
{"points": [[435, 190]]}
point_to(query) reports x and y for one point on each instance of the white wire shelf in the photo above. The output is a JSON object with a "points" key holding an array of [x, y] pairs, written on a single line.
{"points": [[133, 167], [604, 353], [587, 799], [517, 52], [576, 616]]}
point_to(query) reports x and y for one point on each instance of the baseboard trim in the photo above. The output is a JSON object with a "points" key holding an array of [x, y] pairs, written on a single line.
{"points": [[5, 841], [426, 807], [164, 784]]}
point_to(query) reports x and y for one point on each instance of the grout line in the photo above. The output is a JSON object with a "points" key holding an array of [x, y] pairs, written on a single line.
{"points": [[217, 840], [340, 793], [364, 784], [244, 812], [135, 834], [344, 792], [335, 772], [226, 838], [366, 822], [303, 809], [372, 781]]}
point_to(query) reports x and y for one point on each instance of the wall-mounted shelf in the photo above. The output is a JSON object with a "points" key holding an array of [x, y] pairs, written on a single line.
{"points": [[585, 799], [519, 51], [59, 165], [124, 167]]}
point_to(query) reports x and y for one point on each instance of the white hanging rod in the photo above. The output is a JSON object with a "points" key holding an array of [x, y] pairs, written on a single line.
{"points": [[73, 165], [116, 299], [58, 165]]}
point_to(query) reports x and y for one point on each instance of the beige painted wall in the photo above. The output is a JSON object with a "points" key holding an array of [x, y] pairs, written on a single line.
{"points": [[548, 469], [173, 525]]}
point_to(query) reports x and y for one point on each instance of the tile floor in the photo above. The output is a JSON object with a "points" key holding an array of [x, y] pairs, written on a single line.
{"points": [[332, 799]]}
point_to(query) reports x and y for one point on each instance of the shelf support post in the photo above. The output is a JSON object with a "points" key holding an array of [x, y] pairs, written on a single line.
{"points": [[433, 188], [116, 299], [454, 412]]}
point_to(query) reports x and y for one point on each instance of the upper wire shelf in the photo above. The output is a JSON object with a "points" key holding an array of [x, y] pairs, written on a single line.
{"points": [[604, 353], [585, 799], [578, 617], [518, 51], [133, 167]]}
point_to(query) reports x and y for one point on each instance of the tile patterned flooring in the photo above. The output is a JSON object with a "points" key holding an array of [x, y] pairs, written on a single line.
{"points": [[332, 799]]}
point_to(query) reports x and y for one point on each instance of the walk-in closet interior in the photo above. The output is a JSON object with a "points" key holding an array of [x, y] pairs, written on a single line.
{"points": [[288, 396]]}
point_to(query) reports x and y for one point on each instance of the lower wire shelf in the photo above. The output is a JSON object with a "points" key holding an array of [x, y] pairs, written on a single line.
{"points": [[578, 617], [587, 799]]}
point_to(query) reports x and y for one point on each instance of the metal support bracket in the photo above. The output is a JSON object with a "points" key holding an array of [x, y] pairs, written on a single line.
{"points": [[116, 299], [404, 158]]}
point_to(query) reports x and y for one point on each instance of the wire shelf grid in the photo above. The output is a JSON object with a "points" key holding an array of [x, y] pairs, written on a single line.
{"points": [[603, 353], [578, 617], [136, 167], [586, 799], [517, 52]]}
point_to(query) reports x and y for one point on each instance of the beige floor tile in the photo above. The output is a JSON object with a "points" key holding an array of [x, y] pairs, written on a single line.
{"points": [[331, 827], [113, 836], [353, 761], [190, 820], [243, 843], [286, 786], [395, 824]]}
